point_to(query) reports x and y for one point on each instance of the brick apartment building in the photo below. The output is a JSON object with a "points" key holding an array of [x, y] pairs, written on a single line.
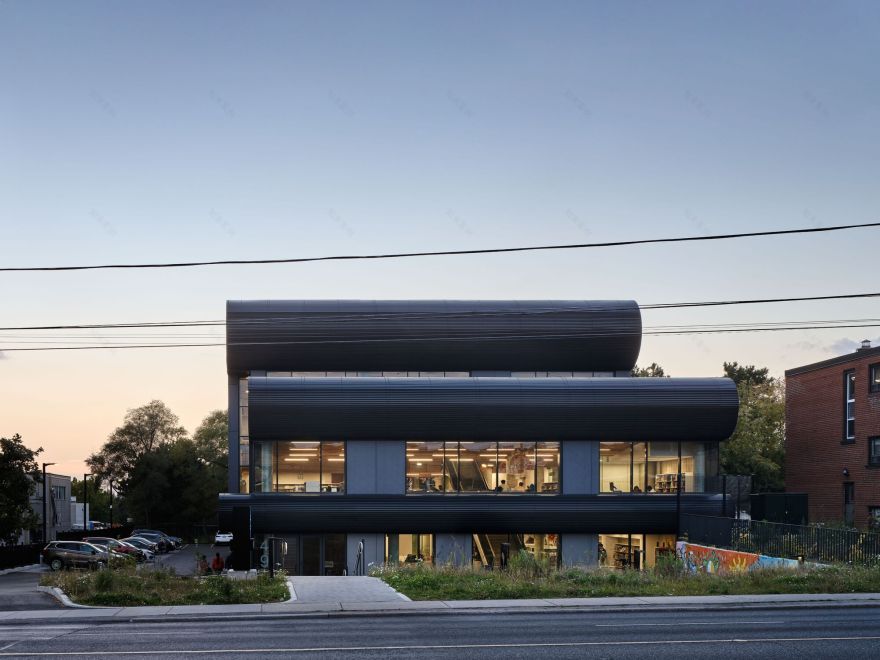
{"points": [[832, 416]]}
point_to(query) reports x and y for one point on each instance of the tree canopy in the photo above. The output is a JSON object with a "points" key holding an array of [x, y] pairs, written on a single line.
{"points": [[160, 475], [19, 477], [749, 374], [143, 431], [653, 370], [757, 447]]}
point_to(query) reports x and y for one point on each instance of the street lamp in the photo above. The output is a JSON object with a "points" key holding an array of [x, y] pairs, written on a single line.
{"points": [[45, 526], [110, 483], [86, 501]]}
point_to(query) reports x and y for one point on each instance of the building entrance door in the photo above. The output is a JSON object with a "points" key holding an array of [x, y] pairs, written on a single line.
{"points": [[849, 500], [311, 555]]}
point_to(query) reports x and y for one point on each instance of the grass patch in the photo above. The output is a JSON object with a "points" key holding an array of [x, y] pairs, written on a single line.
{"points": [[127, 587], [448, 583]]}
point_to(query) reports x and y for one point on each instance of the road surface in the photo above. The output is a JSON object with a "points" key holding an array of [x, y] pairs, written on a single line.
{"points": [[828, 632]]}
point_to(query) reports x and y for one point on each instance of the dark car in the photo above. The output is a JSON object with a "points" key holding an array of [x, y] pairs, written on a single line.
{"points": [[162, 544], [172, 541], [74, 554], [143, 544], [117, 547]]}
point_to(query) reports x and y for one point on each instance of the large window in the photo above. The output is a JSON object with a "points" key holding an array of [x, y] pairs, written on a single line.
{"points": [[874, 378], [482, 467], [653, 467], [488, 550], [409, 548], [244, 453], [849, 395], [874, 451], [299, 467]]}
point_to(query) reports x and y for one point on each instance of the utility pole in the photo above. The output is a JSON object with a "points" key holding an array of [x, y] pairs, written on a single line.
{"points": [[111, 502], [86, 501], [45, 525]]}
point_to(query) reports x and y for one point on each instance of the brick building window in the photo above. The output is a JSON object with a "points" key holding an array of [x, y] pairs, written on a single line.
{"points": [[874, 518], [874, 451], [874, 378], [849, 395]]}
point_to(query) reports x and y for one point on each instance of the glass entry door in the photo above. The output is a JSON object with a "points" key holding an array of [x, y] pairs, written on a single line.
{"points": [[311, 563]]}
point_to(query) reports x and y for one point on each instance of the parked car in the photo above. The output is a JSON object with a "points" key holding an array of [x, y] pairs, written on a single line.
{"points": [[222, 538], [162, 544], [150, 548], [74, 554], [170, 541], [116, 547]]}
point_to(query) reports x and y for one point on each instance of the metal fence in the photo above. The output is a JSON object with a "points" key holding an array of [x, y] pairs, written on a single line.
{"points": [[13, 556], [809, 542]]}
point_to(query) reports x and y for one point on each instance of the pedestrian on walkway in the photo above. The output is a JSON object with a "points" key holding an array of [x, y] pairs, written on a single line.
{"points": [[217, 564]]}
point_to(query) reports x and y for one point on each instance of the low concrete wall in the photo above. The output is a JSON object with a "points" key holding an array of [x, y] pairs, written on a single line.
{"points": [[706, 559]]}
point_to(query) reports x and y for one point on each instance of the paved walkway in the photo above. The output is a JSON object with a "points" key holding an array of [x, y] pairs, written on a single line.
{"points": [[393, 607], [349, 589], [18, 591]]}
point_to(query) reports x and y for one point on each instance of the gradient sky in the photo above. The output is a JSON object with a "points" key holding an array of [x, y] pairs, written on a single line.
{"points": [[212, 130]]}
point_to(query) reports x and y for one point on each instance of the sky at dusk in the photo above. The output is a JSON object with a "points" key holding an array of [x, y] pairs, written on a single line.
{"points": [[164, 131]]}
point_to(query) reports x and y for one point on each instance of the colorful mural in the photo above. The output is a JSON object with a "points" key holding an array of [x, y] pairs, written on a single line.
{"points": [[705, 559]]}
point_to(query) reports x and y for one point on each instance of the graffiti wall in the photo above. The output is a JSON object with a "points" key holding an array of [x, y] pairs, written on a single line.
{"points": [[705, 559]]}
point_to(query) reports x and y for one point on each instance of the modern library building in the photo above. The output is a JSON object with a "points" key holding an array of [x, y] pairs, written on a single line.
{"points": [[366, 432]]}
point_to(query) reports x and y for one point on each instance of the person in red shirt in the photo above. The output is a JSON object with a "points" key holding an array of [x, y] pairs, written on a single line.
{"points": [[217, 564]]}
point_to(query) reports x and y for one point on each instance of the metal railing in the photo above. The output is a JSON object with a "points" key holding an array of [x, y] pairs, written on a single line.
{"points": [[807, 542]]}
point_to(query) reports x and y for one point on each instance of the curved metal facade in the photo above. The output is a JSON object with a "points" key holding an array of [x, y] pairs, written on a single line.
{"points": [[700, 409], [494, 514], [410, 335]]}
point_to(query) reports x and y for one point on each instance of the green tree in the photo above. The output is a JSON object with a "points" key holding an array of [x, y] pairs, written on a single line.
{"points": [[143, 431], [172, 485], [757, 447], [212, 438], [653, 370], [749, 374], [19, 477]]}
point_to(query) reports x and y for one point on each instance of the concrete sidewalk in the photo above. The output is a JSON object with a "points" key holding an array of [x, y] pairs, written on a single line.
{"points": [[397, 607]]}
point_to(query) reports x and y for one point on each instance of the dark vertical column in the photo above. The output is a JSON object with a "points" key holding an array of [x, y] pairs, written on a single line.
{"points": [[678, 496], [234, 466]]}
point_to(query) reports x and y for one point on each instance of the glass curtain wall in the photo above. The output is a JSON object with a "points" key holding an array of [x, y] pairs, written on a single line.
{"points": [[482, 467], [635, 551], [409, 548], [243, 440], [653, 467], [299, 467]]}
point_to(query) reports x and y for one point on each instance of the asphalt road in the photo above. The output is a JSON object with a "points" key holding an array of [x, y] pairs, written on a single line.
{"points": [[833, 632], [18, 592]]}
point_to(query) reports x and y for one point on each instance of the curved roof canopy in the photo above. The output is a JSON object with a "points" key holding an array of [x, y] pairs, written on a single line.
{"points": [[492, 408], [432, 335]]}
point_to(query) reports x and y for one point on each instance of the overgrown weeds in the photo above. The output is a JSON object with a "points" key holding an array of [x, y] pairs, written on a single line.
{"points": [[533, 580], [128, 587]]}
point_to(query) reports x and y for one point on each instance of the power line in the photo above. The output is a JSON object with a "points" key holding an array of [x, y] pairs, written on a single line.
{"points": [[549, 310], [442, 253], [681, 331], [75, 338]]}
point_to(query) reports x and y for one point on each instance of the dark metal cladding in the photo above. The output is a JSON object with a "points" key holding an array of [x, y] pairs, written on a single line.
{"points": [[442, 335], [492, 408], [650, 514]]}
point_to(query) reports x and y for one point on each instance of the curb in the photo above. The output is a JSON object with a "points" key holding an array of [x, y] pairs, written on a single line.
{"points": [[290, 588], [63, 598], [27, 568], [528, 611]]}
